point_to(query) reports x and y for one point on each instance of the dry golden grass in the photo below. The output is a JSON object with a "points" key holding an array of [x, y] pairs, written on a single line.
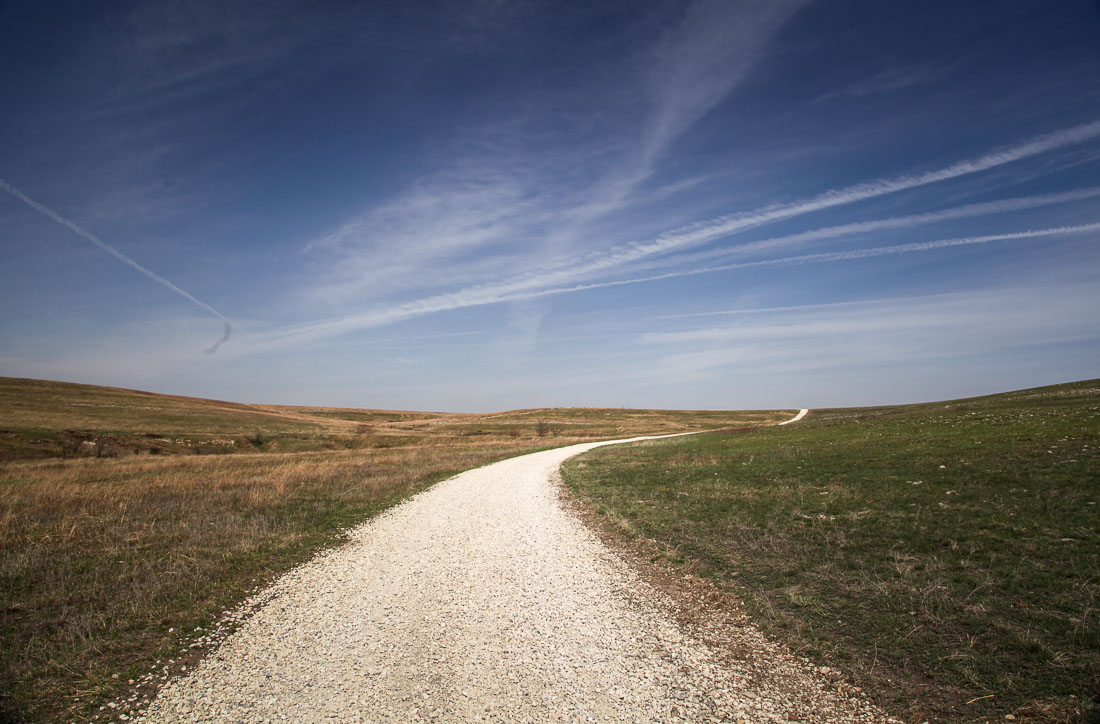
{"points": [[44, 405], [104, 560], [41, 419], [102, 557]]}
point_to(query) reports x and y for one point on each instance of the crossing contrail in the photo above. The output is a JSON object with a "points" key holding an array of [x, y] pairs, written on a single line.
{"points": [[125, 260]]}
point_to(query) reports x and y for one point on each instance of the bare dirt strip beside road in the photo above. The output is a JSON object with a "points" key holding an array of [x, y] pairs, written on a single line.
{"points": [[484, 599]]}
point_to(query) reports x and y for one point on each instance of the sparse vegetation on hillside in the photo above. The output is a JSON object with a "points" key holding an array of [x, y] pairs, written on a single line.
{"points": [[946, 556], [41, 419], [129, 519]]}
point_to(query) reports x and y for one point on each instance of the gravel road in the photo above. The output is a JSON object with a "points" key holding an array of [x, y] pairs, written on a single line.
{"points": [[485, 599]]}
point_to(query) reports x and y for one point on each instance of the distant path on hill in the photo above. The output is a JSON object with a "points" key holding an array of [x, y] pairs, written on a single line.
{"points": [[796, 418], [485, 599]]}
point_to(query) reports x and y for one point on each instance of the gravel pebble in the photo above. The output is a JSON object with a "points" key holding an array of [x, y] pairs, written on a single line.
{"points": [[484, 599]]}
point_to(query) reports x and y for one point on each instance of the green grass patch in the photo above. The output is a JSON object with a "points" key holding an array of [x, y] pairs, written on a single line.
{"points": [[941, 554]]}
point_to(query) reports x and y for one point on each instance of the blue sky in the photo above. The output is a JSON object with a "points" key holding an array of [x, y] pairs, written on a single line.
{"points": [[490, 205]]}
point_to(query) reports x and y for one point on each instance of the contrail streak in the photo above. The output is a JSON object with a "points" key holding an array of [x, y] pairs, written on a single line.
{"points": [[125, 260]]}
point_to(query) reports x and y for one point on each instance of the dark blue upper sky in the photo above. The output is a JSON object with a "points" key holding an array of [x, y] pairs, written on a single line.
{"points": [[498, 204]]}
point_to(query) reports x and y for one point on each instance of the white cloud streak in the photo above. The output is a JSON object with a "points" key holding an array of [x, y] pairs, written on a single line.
{"points": [[724, 226], [853, 254], [884, 331], [560, 280], [226, 322], [698, 64], [898, 222], [504, 189], [490, 294], [891, 79], [793, 308], [727, 225]]}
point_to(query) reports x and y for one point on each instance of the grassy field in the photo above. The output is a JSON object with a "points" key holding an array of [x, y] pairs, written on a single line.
{"points": [[128, 518], [46, 420], [945, 556]]}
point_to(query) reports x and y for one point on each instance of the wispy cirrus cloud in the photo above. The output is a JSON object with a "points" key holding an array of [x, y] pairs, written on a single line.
{"points": [[520, 178], [696, 66], [715, 229], [522, 289], [851, 254], [881, 331], [428, 234], [573, 274], [891, 79], [907, 221]]}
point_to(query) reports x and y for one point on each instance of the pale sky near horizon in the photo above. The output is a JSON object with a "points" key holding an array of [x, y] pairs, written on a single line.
{"points": [[487, 205]]}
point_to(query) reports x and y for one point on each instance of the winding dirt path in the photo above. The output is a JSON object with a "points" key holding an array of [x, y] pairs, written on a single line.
{"points": [[801, 413], [483, 599]]}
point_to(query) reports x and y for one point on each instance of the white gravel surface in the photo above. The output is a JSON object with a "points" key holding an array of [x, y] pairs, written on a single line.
{"points": [[796, 418], [484, 599]]}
